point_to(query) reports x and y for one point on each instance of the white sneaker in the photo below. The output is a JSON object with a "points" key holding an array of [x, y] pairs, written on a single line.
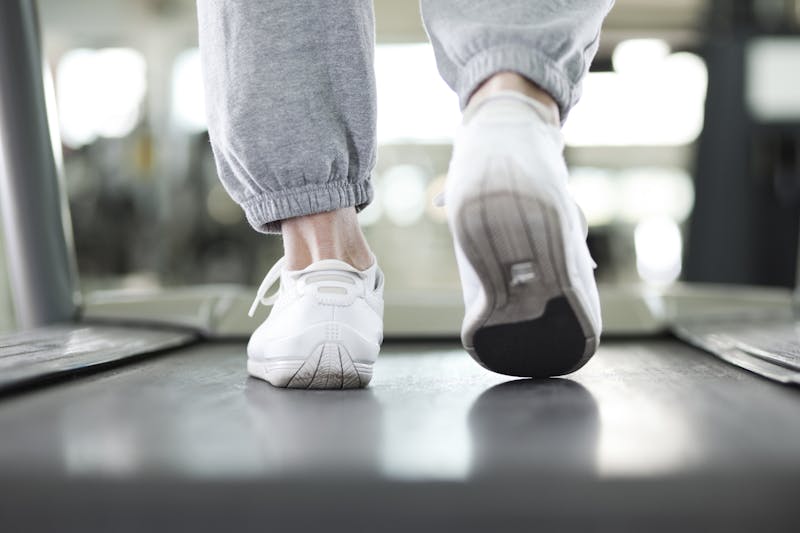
{"points": [[325, 328], [531, 300]]}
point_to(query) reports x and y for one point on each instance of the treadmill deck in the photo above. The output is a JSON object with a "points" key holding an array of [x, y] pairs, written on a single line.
{"points": [[647, 429]]}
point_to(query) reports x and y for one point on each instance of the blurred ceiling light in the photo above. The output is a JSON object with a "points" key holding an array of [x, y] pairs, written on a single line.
{"points": [[188, 98], [638, 55], [403, 197], [99, 93], [659, 249], [660, 105], [646, 192], [595, 192], [414, 104]]}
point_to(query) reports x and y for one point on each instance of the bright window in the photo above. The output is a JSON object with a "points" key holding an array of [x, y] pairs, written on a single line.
{"points": [[414, 104], [99, 93], [188, 98], [653, 98]]}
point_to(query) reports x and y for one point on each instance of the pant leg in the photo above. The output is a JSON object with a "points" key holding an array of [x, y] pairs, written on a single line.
{"points": [[551, 42], [290, 99]]}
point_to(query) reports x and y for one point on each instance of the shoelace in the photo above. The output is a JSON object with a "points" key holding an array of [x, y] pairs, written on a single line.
{"points": [[272, 276]]}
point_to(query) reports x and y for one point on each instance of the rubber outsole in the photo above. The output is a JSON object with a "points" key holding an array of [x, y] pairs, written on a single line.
{"points": [[537, 327], [328, 367], [551, 345]]}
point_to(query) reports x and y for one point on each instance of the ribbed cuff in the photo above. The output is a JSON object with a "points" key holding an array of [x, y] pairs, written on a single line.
{"points": [[525, 61], [264, 212]]}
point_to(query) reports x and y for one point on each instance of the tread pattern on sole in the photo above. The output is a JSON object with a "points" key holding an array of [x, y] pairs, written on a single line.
{"points": [[328, 367]]}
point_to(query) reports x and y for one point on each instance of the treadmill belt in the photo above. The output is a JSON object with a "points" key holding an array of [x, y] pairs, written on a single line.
{"points": [[53, 352]]}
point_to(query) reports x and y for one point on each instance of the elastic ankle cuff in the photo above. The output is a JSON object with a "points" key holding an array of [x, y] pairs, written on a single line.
{"points": [[529, 63], [265, 212]]}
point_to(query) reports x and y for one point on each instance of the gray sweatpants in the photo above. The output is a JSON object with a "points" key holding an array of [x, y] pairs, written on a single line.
{"points": [[290, 88]]}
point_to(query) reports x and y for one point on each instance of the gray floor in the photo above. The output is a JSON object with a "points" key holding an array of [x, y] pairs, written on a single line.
{"points": [[654, 416]]}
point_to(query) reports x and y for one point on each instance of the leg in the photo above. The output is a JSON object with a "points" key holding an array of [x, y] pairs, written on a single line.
{"points": [[290, 95], [291, 105], [532, 307]]}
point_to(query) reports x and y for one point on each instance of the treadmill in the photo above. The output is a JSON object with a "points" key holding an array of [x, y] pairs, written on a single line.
{"points": [[128, 413]]}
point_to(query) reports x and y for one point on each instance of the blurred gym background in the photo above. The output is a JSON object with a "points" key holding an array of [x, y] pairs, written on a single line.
{"points": [[683, 152]]}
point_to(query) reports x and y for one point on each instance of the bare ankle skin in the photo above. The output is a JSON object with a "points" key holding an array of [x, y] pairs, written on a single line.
{"points": [[511, 81], [330, 235]]}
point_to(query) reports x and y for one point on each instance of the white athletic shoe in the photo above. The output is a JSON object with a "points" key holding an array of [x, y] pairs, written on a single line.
{"points": [[325, 328], [531, 300]]}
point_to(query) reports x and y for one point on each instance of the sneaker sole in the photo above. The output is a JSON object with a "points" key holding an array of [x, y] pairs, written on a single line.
{"points": [[328, 367], [533, 323]]}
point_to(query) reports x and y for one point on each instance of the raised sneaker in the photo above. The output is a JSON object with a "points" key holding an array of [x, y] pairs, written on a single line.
{"points": [[531, 303]]}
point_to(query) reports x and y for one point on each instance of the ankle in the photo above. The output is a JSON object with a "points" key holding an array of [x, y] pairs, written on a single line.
{"points": [[330, 235], [511, 81]]}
